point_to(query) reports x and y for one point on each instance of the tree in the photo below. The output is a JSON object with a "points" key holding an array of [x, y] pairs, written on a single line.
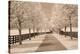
{"points": [[25, 15], [70, 11], [17, 12]]}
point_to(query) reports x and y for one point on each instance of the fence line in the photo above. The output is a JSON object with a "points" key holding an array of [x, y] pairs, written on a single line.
{"points": [[15, 38]]}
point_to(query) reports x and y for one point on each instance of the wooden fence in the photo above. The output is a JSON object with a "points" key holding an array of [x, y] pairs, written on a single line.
{"points": [[74, 34], [15, 38]]}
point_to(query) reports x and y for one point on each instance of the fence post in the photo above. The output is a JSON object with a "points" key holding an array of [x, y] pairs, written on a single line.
{"points": [[9, 42]]}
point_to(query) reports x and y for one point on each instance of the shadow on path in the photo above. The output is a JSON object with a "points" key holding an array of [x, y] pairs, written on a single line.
{"points": [[50, 43]]}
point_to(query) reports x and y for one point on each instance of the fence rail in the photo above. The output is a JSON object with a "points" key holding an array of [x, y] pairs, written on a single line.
{"points": [[15, 38], [74, 34]]}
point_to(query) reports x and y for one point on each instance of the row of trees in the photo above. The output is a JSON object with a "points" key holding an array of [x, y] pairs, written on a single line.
{"points": [[25, 15], [39, 16]]}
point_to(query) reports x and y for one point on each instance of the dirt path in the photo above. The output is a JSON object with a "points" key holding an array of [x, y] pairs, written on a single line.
{"points": [[50, 43]]}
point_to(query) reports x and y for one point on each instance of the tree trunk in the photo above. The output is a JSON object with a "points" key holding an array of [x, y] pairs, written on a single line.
{"points": [[37, 29], [34, 32], [29, 33], [20, 38], [19, 29], [70, 27], [65, 31]]}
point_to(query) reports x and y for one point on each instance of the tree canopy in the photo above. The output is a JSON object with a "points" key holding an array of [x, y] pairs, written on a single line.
{"points": [[42, 15]]}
